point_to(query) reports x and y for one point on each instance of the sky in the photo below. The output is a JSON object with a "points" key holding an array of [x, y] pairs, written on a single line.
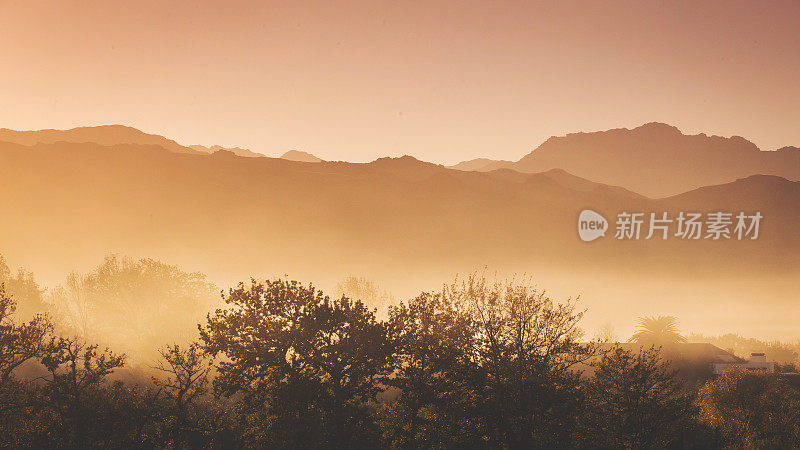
{"points": [[441, 81]]}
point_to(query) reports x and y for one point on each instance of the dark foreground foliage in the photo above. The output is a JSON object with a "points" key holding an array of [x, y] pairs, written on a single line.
{"points": [[477, 365]]}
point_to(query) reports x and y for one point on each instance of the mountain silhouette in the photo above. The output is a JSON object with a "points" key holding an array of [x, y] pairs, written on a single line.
{"points": [[235, 150], [655, 159], [481, 164], [103, 135], [72, 201], [406, 223], [296, 155]]}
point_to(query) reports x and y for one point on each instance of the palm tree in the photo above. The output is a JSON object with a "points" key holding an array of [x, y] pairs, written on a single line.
{"points": [[657, 331]]}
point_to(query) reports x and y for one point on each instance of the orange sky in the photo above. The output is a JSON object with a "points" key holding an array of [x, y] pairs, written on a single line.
{"points": [[443, 81]]}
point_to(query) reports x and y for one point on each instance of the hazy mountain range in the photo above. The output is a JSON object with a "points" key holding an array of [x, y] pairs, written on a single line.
{"points": [[103, 135], [153, 193], [296, 155], [120, 134], [406, 223], [655, 159], [235, 150]]}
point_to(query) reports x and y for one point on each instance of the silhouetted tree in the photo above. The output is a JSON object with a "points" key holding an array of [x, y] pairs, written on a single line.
{"points": [[527, 347], [435, 375], [307, 366], [20, 342], [24, 289], [634, 400], [661, 330], [752, 410], [76, 371], [186, 379]]}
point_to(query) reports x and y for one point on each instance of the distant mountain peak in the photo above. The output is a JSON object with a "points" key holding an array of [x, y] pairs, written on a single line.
{"points": [[657, 159], [301, 156], [407, 161], [761, 178], [105, 135], [235, 150], [224, 153], [659, 127], [404, 158], [481, 165]]}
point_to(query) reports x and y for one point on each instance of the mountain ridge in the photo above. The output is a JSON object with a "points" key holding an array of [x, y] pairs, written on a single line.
{"points": [[243, 152], [102, 134], [654, 159], [300, 156], [146, 199]]}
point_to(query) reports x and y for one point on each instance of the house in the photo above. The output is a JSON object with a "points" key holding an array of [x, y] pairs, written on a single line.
{"points": [[757, 361], [695, 362]]}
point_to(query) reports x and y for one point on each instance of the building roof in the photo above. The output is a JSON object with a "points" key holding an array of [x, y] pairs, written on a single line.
{"points": [[689, 351]]}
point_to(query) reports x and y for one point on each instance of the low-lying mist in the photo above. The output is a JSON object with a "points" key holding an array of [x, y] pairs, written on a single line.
{"points": [[137, 306]]}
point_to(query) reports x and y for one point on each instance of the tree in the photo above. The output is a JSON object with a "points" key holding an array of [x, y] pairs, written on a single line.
{"points": [[76, 371], [661, 330], [72, 306], [310, 363], [20, 342], [606, 333], [133, 305], [187, 373], [360, 288], [635, 401], [186, 379], [22, 286], [528, 349], [435, 370], [752, 409]]}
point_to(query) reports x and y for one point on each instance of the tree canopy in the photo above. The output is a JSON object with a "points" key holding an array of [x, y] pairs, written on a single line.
{"points": [[479, 364], [661, 330]]}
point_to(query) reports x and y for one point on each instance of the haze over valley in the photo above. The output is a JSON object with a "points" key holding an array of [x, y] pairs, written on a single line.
{"points": [[78, 195]]}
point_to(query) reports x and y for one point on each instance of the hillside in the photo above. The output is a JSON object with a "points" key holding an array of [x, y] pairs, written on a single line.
{"points": [[70, 201], [297, 155], [103, 135], [481, 165], [655, 159], [235, 150]]}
